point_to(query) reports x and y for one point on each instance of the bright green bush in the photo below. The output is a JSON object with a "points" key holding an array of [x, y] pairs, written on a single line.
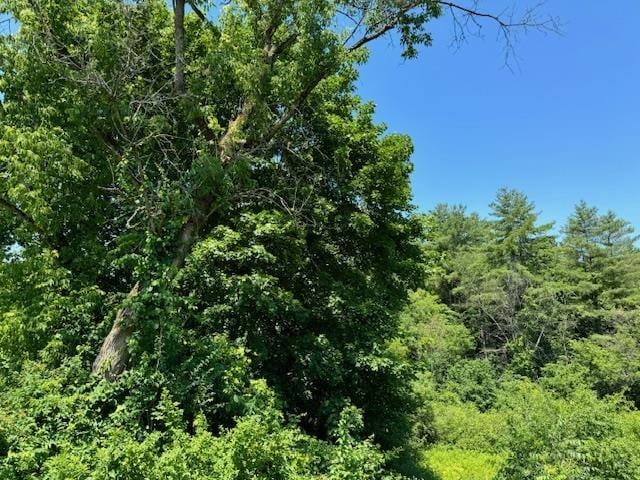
{"points": [[463, 426], [458, 464], [473, 381], [577, 437]]}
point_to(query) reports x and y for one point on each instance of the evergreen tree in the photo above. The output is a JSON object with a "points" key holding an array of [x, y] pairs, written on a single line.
{"points": [[603, 266], [581, 236], [518, 238], [450, 232]]}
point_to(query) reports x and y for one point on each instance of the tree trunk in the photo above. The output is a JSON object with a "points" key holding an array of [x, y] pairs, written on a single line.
{"points": [[178, 25], [114, 353]]}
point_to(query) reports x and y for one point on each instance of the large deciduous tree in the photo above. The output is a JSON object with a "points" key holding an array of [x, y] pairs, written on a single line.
{"points": [[170, 175]]}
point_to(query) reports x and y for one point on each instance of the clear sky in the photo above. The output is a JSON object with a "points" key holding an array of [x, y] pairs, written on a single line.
{"points": [[564, 126]]}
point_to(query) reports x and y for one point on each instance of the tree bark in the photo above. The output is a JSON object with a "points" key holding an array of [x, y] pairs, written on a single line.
{"points": [[114, 353], [113, 357], [178, 25]]}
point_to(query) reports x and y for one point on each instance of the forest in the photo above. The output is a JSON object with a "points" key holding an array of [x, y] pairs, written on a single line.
{"points": [[213, 268]]}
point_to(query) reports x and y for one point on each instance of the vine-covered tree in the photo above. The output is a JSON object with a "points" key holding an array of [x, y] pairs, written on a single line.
{"points": [[194, 201]]}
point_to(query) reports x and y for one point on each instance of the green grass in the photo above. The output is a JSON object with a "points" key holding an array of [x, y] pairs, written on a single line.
{"points": [[457, 464]]}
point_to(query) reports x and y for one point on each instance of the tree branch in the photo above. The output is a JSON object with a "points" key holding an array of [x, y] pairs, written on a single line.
{"points": [[287, 43], [476, 13], [372, 36], [470, 20], [22, 215], [295, 105], [472, 13], [198, 12], [178, 25]]}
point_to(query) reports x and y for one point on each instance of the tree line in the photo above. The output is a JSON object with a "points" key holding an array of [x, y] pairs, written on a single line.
{"points": [[528, 344]]}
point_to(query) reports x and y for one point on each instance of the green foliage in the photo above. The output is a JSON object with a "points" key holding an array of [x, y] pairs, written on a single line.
{"points": [[518, 239], [576, 437], [433, 336], [261, 221], [464, 426], [457, 464], [258, 215], [548, 388], [532, 433], [60, 424], [473, 381], [612, 362]]}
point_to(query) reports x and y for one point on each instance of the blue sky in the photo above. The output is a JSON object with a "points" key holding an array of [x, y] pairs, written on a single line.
{"points": [[564, 126]]}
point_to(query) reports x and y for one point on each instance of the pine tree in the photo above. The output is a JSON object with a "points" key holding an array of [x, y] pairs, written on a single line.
{"points": [[518, 238]]}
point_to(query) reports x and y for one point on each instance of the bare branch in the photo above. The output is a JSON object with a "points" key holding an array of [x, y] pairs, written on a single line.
{"points": [[528, 20], [468, 20]]}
